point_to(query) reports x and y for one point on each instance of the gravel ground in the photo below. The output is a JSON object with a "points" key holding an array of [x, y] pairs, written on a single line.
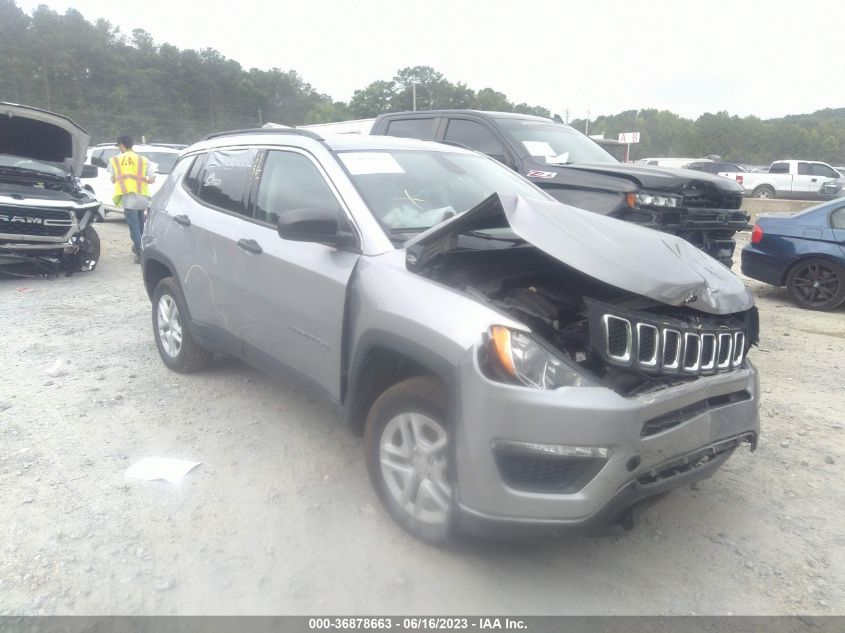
{"points": [[280, 516]]}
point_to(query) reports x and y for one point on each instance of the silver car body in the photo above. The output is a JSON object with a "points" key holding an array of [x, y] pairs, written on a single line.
{"points": [[317, 312]]}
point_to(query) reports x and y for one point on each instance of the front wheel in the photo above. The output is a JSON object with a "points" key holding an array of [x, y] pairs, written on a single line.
{"points": [[176, 346], [816, 284], [407, 450]]}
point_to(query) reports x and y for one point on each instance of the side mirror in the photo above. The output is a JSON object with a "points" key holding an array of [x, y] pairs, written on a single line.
{"points": [[309, 225], [89, 171]]}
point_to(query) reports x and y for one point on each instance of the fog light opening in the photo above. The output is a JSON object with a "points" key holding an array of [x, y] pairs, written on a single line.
{"points": [[633, 463]]}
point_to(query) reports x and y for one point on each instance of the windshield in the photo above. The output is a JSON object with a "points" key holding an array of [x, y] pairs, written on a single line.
{"points": [[164, 160], [410, 191], [17, 162], [554, 143]]}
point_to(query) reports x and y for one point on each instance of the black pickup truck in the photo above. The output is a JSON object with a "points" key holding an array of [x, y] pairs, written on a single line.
{"points": [[699, 207]]}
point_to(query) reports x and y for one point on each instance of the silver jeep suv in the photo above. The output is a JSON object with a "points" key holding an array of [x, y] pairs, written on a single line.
{"points": [[510, 361]]}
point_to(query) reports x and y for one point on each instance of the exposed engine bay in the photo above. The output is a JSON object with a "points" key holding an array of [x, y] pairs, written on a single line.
{"points": [[629, 343]]}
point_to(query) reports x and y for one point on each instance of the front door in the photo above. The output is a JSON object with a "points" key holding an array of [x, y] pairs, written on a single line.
{"points": [[293, 293]]}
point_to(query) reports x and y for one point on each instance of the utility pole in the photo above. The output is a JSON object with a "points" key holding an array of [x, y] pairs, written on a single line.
{"points": [[414, 93], [587, 125], [260, 118], [566, 116]]}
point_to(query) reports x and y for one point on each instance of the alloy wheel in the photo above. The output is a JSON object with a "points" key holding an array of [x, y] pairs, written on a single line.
{"points": [[815, 284], [169, 326], [413, 456]]}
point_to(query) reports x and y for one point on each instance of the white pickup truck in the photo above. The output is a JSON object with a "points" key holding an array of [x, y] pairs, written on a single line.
{"points": [[798, 179]]}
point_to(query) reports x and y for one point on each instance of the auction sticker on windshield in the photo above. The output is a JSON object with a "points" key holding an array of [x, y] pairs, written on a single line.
{"points": [[363, 163]]}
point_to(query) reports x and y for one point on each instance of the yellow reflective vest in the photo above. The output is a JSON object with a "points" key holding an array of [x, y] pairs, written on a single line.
{"points": [[130, 174]]}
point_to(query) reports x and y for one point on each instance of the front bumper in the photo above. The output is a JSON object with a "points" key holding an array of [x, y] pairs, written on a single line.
{"points": [[637, 467]]}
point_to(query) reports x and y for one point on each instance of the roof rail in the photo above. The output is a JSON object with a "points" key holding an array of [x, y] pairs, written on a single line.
{"points": [[266, 130]]}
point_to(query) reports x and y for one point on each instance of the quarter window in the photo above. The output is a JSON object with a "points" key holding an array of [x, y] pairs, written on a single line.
{"points": [[781, 168], [225, 179], [291, 181]]}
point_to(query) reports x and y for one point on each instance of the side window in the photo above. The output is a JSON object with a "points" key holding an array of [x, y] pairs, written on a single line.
{"points": [[837, 219], [422, 129], [805, 169], [225, 179], [475, 136], [291, 181], [192, 178], [824, 171], [779, 168]]}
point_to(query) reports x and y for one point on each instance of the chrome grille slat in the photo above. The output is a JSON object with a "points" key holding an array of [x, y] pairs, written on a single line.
{"points": [[690, 338], [614, 322], [675, 337], [739, 348], [726, 342], [651, 358], [708, 359]]}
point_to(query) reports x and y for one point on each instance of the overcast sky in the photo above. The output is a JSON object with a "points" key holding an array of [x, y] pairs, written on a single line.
{"points": [[746, 57]]}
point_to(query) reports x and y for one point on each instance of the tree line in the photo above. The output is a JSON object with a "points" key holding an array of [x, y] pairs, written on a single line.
{"points": [[111, 82]]}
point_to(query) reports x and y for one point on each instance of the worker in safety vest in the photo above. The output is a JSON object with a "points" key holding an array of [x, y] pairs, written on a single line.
{"points": [[131, 174]]}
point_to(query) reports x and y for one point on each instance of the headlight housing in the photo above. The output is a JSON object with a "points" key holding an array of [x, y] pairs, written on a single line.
{"points": [[518, 357], [652, 199]]}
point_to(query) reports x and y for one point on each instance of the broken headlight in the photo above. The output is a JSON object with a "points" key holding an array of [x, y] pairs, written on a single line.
{"points": [[652, 199], [520, 358]]}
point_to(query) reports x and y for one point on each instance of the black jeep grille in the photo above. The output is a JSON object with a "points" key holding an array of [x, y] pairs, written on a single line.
{"points": [[35, 222], [653, 343]]}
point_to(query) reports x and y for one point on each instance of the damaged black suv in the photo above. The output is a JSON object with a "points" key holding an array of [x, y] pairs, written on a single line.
{"points": [[46, 215]]}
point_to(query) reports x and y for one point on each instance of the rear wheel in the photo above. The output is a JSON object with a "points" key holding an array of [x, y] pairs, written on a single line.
{"points": [[176, 346], [407, 449], [764, 191], [816, 284]]}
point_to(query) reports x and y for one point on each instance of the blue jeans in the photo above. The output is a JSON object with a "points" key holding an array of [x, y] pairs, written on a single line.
{"points": [[135, 220]]}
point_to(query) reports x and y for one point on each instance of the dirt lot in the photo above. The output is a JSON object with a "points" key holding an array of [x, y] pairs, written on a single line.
{"points": [[280, 516]]}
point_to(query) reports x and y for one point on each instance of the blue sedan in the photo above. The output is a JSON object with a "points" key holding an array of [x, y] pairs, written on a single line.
{"points": [[803, 251]]}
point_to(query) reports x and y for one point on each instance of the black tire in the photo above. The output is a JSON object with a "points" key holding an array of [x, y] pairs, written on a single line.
{"points": [[189, 356], [816, 284], [422, 396], [91, 248], [763, 191]]}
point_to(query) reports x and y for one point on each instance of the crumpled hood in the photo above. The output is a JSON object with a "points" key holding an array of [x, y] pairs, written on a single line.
{"points": [[41, 135], [657, 265]]}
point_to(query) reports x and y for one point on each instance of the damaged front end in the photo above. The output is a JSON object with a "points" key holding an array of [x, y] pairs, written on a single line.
{"points": [[48, 240], [631, 309], [706, 217], [46, 217]]}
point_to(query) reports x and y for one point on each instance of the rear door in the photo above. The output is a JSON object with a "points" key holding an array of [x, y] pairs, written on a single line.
{"points": [[201, 240], [292, 295], [804, 180]]}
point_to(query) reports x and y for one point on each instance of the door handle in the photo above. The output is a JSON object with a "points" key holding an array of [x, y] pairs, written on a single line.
{"points": [[250, 246], [182, 220]]}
